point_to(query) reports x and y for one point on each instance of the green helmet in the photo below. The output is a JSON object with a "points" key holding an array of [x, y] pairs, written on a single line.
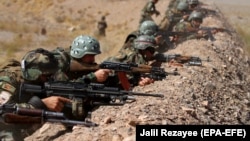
{"points": [[182, 5], [83, 45], [195, 15], [144, 41], [38, 62], [148, 28], [193, 2]]}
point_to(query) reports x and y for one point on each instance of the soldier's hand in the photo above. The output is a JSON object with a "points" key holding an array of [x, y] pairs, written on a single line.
{"points": [[174, 38], [201, 33], [102, 74], [214, 31], [158, 39], [55, 103], [185, 17], [145, 81]]}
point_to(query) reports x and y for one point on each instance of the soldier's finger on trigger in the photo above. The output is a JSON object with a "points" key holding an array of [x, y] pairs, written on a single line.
{"points": [[64, 100]]}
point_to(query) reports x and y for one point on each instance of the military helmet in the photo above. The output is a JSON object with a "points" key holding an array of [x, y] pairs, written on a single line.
{"points": [[38, 62], [144, 41], [193, 2], [83, 45], [195, 15], [148, 28], [182, 5]]}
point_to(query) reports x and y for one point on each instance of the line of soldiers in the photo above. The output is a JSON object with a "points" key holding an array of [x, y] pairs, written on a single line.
{"points": [[182, 21], [142, 46], [40, 65]]}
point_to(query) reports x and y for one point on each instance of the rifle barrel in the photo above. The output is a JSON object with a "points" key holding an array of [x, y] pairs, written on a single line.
{"points": [[73, 122], [144, 94]]}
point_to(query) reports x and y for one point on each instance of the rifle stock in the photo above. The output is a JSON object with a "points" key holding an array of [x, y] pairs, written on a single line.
{"points": [[15, 115], [20, 119]]}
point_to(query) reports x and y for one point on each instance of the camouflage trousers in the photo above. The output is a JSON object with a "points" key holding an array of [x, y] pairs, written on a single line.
{"points": [[12, 132]]}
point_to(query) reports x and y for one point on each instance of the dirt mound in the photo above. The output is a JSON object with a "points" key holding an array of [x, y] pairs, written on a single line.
{"points": [[216, 93]]}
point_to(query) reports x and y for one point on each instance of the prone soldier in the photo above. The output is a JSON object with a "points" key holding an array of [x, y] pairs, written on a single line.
{"points": [[189, 29], [9, 89], [39, 66]]}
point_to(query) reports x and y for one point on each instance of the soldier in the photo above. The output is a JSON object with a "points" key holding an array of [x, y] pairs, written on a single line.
{"points": [[82, 51], [149, 10], [9, 94], [101, 26], [190, 29], [179, 14], [192, 4], [40, 65], [161, 36], [164, 24], [147, 28], [9, 89], [144, 49]]}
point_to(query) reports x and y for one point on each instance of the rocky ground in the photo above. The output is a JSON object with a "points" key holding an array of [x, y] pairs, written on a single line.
{"points": [[215, 93]]}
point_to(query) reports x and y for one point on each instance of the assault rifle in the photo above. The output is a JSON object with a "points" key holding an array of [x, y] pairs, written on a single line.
{"points": [[189, 60], [156, 73], [178, 33], [210, 31], [16, 115], [84, 96], [214, 30]]}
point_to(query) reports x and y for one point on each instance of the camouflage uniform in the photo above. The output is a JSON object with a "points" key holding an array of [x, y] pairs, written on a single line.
{"points": [[142, 42], [57, 67], [148, 10], [101, 26], [175, 15], [164, 24], [161, 36], [39, 66], [151, 28], [188, 28], [9, 83]]}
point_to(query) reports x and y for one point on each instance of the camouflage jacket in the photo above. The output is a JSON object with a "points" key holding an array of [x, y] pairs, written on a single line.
{"points": [[11, 69], [61, 69], [149, 9], [129, 56], [189, 32]]}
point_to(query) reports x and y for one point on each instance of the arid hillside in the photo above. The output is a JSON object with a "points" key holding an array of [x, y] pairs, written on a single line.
{"points": [[215, 93], [21, 23]]}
